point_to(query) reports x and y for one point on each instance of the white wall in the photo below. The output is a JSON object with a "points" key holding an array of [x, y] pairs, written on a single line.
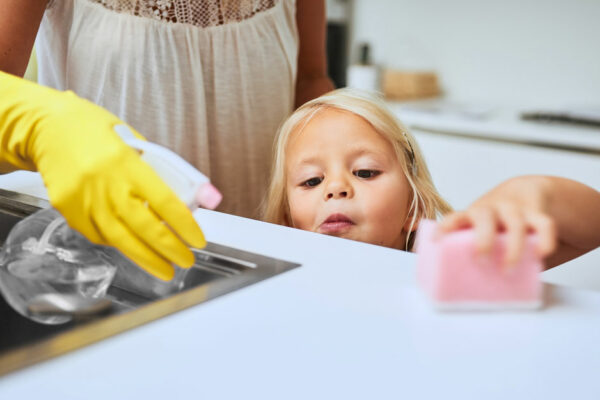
{"points": [[511, 52]]}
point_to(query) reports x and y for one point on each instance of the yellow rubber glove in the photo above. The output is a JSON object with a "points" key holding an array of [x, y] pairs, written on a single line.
{"points": [[98, 183]]}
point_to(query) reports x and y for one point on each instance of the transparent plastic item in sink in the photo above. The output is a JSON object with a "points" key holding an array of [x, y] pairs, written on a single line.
{"points": [[43, 255]]}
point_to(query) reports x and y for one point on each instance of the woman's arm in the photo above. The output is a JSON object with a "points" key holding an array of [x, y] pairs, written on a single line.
{"points": [[98, 183], [564, 214], [19, 24], [312, 79]]}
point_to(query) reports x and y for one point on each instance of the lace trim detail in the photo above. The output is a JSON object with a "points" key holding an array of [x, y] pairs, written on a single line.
{"points": [[202, 13]]}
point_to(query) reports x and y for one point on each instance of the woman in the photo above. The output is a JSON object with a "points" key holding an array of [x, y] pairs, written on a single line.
{"points": [[212, 80]]}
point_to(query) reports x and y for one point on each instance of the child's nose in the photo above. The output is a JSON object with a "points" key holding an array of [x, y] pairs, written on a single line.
{"points": [[337, 195], [338, 189]]}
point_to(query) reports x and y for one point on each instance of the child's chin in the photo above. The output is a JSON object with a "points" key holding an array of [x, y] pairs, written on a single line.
{"points": [[352, 234], [380, 242], [344, 235], [355, 237]]}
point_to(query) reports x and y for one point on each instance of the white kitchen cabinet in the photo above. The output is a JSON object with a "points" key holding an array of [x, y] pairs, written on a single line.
{"points": [[463, 168]]}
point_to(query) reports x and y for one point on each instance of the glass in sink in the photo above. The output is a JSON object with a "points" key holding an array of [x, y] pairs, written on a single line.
{"points": [[218, 270]]}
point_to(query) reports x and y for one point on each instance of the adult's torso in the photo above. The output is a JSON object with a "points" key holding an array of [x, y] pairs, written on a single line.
{"points": [[210, 81]]}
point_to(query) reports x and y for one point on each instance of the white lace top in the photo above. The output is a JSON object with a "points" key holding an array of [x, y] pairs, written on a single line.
{"points": [[199, 13], [210, 79]]}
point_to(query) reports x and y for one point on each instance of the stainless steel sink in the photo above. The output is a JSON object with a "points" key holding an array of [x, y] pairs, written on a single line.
{"points": [[218, 270]]}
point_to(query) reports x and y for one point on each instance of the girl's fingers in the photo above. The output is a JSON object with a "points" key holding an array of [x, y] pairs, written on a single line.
{"points": [[488, 221], [546, 231], [483, 220], [515, 226], [453, 222]]}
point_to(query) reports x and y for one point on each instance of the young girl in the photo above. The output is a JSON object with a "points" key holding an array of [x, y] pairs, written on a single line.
{"points": [[345, 166]]}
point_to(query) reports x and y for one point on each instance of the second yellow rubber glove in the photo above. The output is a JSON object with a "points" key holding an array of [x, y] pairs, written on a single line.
{"points": [[98, 183]]}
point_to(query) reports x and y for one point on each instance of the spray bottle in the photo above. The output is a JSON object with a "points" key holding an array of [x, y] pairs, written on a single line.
{"points": [[192, 187]]}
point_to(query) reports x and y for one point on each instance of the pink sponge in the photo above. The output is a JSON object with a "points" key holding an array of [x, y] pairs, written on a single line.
{"points": [[455, 277]]}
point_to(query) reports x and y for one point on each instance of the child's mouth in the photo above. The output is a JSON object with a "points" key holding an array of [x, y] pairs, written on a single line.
{"points": [[336, 224]]}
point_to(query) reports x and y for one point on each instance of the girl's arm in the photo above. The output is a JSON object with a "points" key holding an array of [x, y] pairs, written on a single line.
{"points": [[564, 213], [312, 80]]}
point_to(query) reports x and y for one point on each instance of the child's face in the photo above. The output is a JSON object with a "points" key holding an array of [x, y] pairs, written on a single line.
{"points": [[344, 179]]}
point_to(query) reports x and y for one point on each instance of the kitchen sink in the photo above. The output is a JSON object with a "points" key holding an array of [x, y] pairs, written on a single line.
{"points": [[218, 270]]}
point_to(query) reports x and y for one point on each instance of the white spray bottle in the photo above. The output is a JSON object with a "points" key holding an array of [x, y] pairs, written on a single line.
{"points": [[191, 186]]}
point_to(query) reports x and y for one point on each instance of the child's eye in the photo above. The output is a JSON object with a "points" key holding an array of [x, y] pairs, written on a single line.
{"points": [[312, 182], [366, 173]]}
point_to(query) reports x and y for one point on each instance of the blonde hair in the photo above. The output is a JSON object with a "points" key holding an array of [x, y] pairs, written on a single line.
{"points": [[426, 201]]}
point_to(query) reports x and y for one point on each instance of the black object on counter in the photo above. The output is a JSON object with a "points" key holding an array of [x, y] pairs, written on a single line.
{"points": [[586, 119]]}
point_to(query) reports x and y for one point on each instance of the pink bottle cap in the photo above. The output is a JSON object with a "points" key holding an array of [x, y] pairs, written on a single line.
{"points": [[208, 196]]}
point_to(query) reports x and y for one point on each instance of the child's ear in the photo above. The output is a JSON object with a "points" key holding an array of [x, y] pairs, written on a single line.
{"points": [[287, 219], [407, 225]]}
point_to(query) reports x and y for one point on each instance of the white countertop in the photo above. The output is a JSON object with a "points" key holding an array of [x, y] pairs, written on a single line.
{"points": [[493, 123], [349, 323]]}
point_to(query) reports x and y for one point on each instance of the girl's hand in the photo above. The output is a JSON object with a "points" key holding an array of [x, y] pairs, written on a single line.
{"points": [[516, 207]]}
